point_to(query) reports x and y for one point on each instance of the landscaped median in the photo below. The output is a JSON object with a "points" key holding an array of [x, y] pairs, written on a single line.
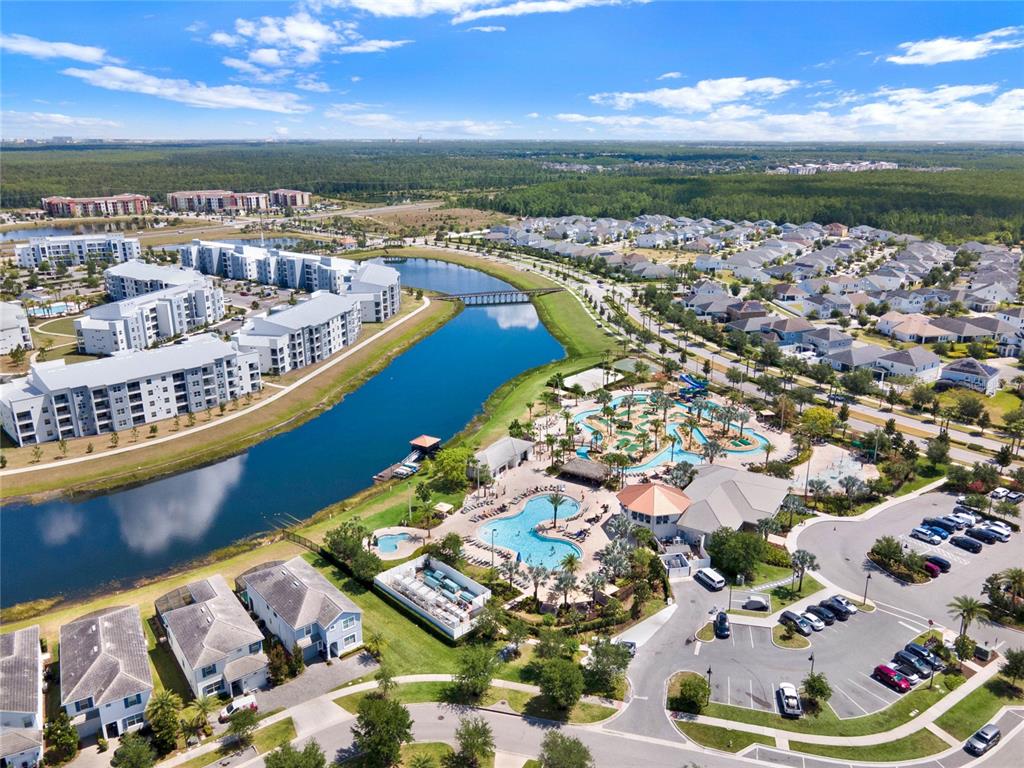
{"points": [[264, 740], [723, 739], [919, 744]]}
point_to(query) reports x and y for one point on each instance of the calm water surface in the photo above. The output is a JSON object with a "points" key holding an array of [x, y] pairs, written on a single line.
{"points": [[435, 387]]}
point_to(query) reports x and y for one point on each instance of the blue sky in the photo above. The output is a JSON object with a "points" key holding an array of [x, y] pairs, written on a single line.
{"points": [[544, 69]]}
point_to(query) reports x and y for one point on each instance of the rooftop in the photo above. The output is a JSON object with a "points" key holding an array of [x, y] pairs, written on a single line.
{"points": [[104, 656], [298, 592], [20, 670]]}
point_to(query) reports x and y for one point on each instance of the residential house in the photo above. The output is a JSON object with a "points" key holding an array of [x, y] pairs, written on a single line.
{"points": [[218, 647], [855, 358], [746, 309], [105, 678], [301, 607], [503, 455], [917, 362], [969, 373], [788, 292], [786, 331], [826, 341], [21, 698]]}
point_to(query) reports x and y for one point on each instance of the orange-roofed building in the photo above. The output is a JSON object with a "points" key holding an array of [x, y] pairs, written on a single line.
{"points": [[655, 506]]}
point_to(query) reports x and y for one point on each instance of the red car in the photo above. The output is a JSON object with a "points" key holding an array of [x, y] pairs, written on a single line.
{"points": [[888, 676]]}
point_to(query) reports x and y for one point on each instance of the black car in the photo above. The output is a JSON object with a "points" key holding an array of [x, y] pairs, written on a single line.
{"points": [[822, 613], [940, 522], [841, 611], [921, 668], [965, 543], [982, 534], [722, 628], [939, 562]]}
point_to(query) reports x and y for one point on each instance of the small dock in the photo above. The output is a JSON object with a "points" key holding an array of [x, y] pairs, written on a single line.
{"points": [[422, 447]]}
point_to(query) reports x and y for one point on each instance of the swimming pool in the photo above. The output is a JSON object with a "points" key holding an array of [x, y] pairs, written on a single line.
{"points": [[54, 309], [389, 542], [517, 533]]}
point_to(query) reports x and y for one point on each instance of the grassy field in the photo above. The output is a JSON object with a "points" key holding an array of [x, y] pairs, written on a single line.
{"points": [[203, 447], [766, 574], [919, 744], [436, 751], [723, 739], [826, 723], [978, 707]]}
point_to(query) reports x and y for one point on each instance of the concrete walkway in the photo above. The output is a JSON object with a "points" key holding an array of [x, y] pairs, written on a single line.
{"points": [[231, 416]]}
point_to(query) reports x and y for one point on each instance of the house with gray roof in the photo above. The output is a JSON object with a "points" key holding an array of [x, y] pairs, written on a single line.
{"points": [[724, 497], [969, 373], [854, 358], [827, 340], [105, 680], [919, 362], [21, 698], [302, 608], [218, 646], [502, 455]]}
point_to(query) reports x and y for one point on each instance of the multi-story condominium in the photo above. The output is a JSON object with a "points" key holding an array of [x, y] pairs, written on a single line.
{"points": [[216, 200], [218, 647], [302, 608], [14, 328], [135, 278], [113, 205], [303, 334], [141, 321], [290, 198], [105, 682], [58, 401], [377, 287], [21, 699], [74, 250]]}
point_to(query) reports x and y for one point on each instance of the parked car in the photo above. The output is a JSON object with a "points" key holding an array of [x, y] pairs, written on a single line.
{"points": [[931, 569], [940, 522], [722, 628], [920, 667], [999, 493], [789, 700], [986, 738], [886, 675], [242, 702], [966, 512], [824, 614], [908, 672], [965, 543], [756, 603], [999, 532], [942, 533], [629, 645], [816, 624], [926, 535], [925, 655], [998, 525], [954, 522], [982, 534], [795, 622], [940, 562], [839, 600], [1015, 496], [962, 501], [964, 517]]}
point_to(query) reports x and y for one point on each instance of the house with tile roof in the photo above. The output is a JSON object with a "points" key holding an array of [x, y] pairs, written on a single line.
{"points": [[217, 645], [21, 698], [105, 678], [301, 607]]}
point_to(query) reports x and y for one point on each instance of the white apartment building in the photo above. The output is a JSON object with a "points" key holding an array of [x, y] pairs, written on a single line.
{"points": [[127, 390], [217, 200], [75, 250], [135, 278], [14, 328], [303, 334], [21, 698], [377, 287], [141, 321]]}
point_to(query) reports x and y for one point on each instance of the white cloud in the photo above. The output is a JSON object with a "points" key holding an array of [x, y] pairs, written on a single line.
{"points": [[223, 38], [312, 84], [493, 28], [196, 26], [944, 49], [701, 97], [374, 46], [281, 130], [266, 57], [383, 124], [355, 78], [54, 120], [670, 76], [945, 113], [533, 115], [196, 94], [527, 7], [43, 49]]}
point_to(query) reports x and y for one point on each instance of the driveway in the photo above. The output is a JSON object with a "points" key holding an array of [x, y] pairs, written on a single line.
{"points": [[318, 678], [841, 547]]}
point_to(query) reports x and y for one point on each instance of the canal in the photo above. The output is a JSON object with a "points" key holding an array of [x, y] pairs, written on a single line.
{"points": [[435, 387]]}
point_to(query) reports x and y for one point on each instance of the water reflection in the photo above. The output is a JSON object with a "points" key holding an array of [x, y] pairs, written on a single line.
{"points": [[509, 316], [184, 511], [59, 526]]}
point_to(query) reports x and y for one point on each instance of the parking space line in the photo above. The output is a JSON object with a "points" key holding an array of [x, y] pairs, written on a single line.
{"points": [[751, 637], [870, 693], [912, 627], [728, 690], [751, 693], [852, 700], [696, 648]]}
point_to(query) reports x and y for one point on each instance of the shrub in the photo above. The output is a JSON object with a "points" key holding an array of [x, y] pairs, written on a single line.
{"points": [[692, 695], [776, 556]]}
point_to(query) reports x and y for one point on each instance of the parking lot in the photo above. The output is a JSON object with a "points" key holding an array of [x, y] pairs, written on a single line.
{"points": [[747, 667]]}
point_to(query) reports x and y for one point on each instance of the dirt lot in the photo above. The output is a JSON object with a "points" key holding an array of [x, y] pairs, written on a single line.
{"points": [[428, 220]]}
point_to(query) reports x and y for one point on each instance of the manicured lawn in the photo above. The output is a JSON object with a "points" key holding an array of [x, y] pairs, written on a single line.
{"points": [[919, 744], [977, 708], [825, 722], [766, 574], [783, 596], [406, 693], [273, 736], [706, 633], [437, 751], [724, 739], [784, 637]]}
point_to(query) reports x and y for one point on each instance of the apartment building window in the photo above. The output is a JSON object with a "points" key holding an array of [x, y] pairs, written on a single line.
{"points": [[83, 704], [255, 647], [207, 671], [132, 720], [349, 640], [132, 701], [348, 622]]}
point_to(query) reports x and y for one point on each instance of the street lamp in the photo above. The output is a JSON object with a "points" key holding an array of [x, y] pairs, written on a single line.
{"points": [[709, 685], [866, 582], [811, 659]]}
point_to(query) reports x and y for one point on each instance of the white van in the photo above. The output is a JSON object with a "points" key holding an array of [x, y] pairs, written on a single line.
{"points": [[710, 578]]}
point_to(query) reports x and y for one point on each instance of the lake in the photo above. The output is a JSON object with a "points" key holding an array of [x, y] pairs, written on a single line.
{"points": [[436, 387]]}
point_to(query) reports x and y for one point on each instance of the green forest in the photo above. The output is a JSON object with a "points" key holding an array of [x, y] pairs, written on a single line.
{"points": [[955, 205]]}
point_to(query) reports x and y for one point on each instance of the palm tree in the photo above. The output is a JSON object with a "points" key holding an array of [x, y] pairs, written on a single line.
{"points": [[803, 561], [594, 582], [691, 424], [629, 401], [768, 448], [570, 563], [620, 526], [967, 609], [509, 568], [712, 450], [742, 417], [539, 575], [767, 526], [1013, 578], [204, 707], [556, 500], [164, 705], [887, 549], [565, 585]]}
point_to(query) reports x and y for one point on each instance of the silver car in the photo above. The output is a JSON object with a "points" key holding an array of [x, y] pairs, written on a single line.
{"points": [[983, 740], [816, 624]]}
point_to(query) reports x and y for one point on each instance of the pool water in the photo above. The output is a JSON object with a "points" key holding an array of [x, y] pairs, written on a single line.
{"points": [[517, 533], [389, 541], [50, 310]]}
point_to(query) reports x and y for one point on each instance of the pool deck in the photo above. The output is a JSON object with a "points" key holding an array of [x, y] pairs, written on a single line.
{"points": [[417, 537], [831, 463]]}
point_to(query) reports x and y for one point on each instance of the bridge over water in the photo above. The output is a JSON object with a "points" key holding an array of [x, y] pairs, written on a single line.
{"points": [[508, 296]]}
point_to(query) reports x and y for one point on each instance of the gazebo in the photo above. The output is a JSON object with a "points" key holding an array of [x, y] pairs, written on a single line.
{"points": [[585, 469]]}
